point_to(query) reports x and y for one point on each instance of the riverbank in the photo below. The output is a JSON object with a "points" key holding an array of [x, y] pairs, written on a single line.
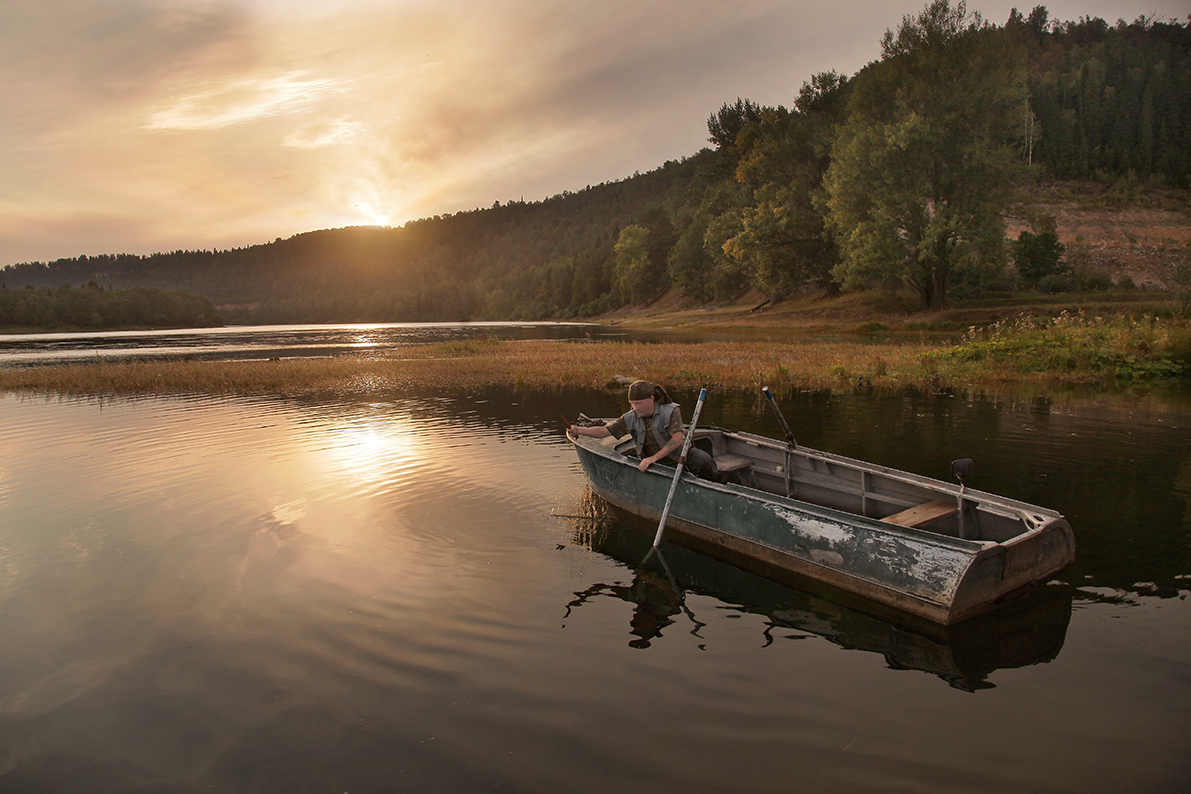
{"points": [[1071, 350], [888, 312]]}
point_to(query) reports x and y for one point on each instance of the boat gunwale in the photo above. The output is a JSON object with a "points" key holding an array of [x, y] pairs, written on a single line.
{"points": [[1014, 507]]}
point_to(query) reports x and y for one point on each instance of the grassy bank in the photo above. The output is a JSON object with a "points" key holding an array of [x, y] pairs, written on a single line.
{"points": [[1068, 350], [897, 311]]}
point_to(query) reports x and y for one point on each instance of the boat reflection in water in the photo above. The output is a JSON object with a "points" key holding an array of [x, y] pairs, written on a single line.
{"points": [[1028, 631]]}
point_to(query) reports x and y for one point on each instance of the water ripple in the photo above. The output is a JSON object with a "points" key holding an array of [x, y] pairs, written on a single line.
{"points": [[368, 594]]}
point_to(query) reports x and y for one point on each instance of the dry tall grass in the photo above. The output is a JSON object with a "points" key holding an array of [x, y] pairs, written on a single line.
{"points": [[543, 364], [530, 364]]}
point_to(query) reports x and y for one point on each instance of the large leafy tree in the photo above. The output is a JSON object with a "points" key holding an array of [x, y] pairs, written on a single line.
{"points": [[928, 155], [635, 273], [697, 264], [780, 241]]}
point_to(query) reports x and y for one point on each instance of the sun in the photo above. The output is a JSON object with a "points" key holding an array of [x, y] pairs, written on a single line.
{"points": [[372, 214]]}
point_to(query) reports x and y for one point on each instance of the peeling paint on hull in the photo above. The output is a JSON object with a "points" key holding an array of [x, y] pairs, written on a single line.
{"points": [[943, 579]]}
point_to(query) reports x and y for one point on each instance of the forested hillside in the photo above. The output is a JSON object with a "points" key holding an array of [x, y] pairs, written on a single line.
{"points": [[542, 259], [903, 173], [93, 306]]}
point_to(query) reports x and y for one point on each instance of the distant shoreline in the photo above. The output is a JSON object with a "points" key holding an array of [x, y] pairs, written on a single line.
{"points": [[1072, 351], [890, 312], [27, 331]]}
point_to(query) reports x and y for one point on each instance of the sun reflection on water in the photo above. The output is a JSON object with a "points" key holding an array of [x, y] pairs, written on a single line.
{"points": [[371, 450], [365, 340]]}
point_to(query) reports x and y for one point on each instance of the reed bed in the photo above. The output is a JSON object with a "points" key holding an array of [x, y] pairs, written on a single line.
{"points": [[534, 364], [1071, 350]]}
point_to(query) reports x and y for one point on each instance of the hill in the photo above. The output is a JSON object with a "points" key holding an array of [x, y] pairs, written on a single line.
{"points": [[1071, 137], [536, 260]]}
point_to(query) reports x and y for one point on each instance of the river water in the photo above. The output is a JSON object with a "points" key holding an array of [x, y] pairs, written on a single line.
{"points": [[284, 341], [416, 592]]}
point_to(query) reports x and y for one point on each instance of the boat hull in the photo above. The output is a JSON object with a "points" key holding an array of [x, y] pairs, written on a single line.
{"points": [[939, 578]]}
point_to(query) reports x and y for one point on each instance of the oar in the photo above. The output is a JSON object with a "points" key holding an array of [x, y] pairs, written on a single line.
{"points": [[680, 593], [781, 419], [686, 444], [791, 444]]}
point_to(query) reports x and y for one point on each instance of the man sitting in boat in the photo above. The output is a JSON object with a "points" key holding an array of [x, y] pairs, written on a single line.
{"points": [[655, 422]]}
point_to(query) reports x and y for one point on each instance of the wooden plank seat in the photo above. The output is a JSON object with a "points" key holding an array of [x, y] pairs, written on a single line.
{"points": [[735, 469], [918, 515], [731, 463]]}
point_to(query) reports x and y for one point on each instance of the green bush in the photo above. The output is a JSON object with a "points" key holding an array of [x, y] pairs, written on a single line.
{"points": [[1055, 283], [1095, 281], [1037, 256]]}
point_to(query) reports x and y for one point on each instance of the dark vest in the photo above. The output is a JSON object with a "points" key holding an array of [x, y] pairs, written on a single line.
{"points": [[661, 418]]}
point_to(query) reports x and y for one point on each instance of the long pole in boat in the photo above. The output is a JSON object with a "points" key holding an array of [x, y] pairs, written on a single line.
{"points": [[791, 444], [781, 419], [686, 444]]}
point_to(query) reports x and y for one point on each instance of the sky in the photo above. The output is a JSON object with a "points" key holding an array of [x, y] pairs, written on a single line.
{"points": [[134, 126]]}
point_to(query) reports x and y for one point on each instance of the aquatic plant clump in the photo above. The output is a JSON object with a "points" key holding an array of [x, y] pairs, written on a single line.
{"points": [[1072, 347]]}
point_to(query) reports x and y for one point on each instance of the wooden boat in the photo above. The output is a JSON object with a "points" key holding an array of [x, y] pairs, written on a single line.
{"points": [[934, 549]]}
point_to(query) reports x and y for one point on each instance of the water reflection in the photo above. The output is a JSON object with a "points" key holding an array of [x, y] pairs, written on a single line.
{"points": [[262, 532], [374, 593], [1027, 632], [285, 341]]}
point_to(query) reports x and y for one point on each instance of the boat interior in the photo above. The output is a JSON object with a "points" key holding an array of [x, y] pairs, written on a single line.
{"points": [[853, 486]]}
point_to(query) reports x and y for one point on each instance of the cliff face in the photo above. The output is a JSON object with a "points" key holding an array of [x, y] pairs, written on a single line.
{"points": [[1140, 236]]}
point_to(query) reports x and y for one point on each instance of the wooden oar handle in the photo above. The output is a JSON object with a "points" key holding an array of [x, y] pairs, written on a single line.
{"points": [[781, 419], [686, 444]]}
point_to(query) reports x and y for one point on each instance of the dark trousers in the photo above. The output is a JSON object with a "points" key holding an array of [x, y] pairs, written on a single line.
{"points": [[698, 463], [702, 465]]}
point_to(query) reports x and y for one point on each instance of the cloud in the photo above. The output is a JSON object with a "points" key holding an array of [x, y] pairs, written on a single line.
{"points": [[138, 125], [241, 100], [334, 133], [61, 58]]}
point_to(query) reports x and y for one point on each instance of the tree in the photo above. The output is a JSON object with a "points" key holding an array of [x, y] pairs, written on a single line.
{"points": [[724, 125], [1039, 253], [634, 271], [781, 242], [1039, 21], [696, 264], [824, 96], [925, 161]]}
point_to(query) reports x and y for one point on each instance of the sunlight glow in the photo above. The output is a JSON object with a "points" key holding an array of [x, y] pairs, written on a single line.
{"points": [[241, 101], [365, 340], [371, 452], [372, 214]]}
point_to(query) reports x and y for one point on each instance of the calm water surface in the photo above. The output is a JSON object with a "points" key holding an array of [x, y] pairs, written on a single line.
{"points": [[380, 595], [272, 341]]}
